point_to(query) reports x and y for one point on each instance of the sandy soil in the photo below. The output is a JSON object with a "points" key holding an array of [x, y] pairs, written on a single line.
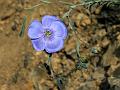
{"points": [[97, 31]]}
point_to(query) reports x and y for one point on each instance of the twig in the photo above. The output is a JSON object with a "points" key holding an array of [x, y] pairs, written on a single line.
{"points": [[33, 7]]}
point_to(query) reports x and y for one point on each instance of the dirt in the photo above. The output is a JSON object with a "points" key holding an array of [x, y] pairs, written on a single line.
{"points": [[96, 35]]}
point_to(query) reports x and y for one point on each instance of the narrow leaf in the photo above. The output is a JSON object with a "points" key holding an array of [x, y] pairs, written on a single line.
{"points": [[23, 26]]}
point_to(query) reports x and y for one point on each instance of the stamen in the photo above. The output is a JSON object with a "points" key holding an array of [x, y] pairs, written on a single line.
{"points": [[48, 33]]}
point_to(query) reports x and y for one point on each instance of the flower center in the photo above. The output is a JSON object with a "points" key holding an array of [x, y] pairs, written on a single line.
{"points": [[48, 33]]}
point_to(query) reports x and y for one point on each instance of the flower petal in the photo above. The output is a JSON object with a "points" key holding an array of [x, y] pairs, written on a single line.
{"points": [[38, 44], [47, 20], [54, 45], [59, 29], [35, 29]]}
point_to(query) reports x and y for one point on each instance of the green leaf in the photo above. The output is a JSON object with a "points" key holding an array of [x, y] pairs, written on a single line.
{"points": [[23, 26]]}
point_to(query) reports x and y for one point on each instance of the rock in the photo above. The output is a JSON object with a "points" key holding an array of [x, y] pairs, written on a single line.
{"points": [[117, 52], [82, 19], [98, 10], [105, 42], [99, 74], [14, 26], [116, 73], [118, 37], [7, 14], [114, 81], [108, 57], [101, 32]]}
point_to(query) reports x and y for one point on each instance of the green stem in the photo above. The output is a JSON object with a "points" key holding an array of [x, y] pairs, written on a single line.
{"points": [[52, 73], [50, 65]]}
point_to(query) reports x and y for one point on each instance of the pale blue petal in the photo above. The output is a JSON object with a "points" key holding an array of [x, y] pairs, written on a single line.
{"points": [[47, 20], [54, 45], [35, 29], [59, 29], [38, 44]]}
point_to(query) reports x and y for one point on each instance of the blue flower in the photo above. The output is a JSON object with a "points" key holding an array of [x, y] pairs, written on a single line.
{"points": [[49, 34]]}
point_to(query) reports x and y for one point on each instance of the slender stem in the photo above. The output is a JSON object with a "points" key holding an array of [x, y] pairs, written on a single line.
{"points": [[52, 73], [33, 6], [44, 1], [50, 65], [67, 3]]}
